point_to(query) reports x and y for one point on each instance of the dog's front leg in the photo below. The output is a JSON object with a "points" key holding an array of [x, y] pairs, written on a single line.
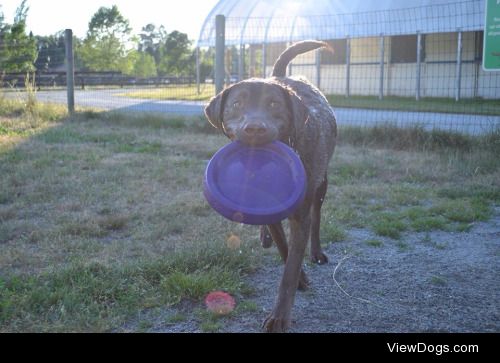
{"points": [[280, 318], [278, 235]]}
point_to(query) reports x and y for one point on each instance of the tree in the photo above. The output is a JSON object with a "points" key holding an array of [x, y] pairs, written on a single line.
{"points": [[108, 22], [21, 13], [105, 47], [145, 65], [17, 49], [2, 18], [207, 64], [51, 52], [150, 40], [177, 57]]}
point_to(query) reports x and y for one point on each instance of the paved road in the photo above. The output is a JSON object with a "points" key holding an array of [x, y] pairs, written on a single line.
{"points": [[110, 100]]}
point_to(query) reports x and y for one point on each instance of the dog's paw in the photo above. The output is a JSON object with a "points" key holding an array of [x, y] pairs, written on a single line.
{"points": [[265, 237], [303, 281], [319, 258], [275, 325]]}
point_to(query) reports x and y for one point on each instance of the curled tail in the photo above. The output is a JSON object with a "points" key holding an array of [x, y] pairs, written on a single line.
{"points": [[279, 69]]}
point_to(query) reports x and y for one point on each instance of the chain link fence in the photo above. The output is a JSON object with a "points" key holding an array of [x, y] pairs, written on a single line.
{"points": [[417, 66]]}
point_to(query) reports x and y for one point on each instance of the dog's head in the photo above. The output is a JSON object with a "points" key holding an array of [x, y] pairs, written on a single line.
{"points": [[257, 111]]}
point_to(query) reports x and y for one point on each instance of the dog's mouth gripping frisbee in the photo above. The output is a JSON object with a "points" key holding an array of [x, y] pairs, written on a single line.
{"points": [[256, 185]]}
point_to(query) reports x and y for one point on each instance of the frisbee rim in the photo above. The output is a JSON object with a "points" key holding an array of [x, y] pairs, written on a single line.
{"points": [[255, 215]]}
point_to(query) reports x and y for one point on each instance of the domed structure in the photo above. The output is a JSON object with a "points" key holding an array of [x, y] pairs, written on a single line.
{"points": [[382, 49], [262, 21]]}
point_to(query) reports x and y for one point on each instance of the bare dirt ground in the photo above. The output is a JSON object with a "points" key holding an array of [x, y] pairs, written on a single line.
{"points": [[431, 282]]}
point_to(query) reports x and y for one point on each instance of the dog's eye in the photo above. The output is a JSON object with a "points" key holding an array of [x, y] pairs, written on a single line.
{"points": [[237, 104]]}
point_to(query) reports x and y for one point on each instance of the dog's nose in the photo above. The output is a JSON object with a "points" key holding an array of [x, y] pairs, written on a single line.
{"points": [[254, 129]]}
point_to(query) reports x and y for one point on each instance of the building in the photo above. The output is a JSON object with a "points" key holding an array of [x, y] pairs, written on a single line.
{"points": [[407, 48]]}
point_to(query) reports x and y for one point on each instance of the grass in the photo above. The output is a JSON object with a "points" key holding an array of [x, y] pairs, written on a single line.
{"points": [[99, 297], [102, 215], [438, 281], [174, 92], [374, 243], [416, 139], [389, 225], [441, 105], [332, 232]]}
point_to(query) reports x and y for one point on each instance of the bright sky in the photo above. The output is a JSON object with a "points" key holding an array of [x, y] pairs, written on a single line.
{"points": [[46, 17]]}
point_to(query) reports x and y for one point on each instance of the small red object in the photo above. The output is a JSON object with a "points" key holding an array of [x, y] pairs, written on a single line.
{"points": [[220, 302]]}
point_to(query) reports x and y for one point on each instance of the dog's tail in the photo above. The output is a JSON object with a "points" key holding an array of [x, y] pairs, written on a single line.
{"points": [[279, 69]]}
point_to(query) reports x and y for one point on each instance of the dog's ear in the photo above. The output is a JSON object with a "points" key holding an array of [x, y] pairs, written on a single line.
{"points": [[215, 108]]}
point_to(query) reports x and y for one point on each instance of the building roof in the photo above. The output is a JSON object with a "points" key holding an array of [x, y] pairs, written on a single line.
{"points": [[259, 21]]}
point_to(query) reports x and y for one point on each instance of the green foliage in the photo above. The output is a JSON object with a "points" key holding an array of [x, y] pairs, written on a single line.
{"points": [[105, 47], [145, 65], [104, 55], [171, 52], [151, 40], [2, 17], [108, 46], [177, 57], [51, 52], [108, 23], [18, 48], [21, 13]]}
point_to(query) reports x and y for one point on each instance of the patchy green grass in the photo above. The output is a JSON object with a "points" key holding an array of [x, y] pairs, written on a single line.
{"points": [[96, 297], [446, 105], [389, 225], [332, 232], [418, 139], [102, 215], [179, 285], [174, 92], [176, 318], [463, 210], [374, 243], [438, 281]]}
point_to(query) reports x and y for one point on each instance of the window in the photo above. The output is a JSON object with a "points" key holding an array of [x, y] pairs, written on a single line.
{"points": [[339, 52], [404, 49], [478, 51]]}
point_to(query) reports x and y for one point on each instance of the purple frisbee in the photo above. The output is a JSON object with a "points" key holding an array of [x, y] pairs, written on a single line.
{"points": [[255, 185]]}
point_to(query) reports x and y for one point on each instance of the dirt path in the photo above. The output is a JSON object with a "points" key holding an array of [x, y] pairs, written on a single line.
{"points": [[428, 282]]}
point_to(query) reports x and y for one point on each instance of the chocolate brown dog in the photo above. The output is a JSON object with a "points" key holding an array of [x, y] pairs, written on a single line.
{"points": [[258, 111]]}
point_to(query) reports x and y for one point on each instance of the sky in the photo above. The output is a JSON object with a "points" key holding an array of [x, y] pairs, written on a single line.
{"points": [[46, 17]]}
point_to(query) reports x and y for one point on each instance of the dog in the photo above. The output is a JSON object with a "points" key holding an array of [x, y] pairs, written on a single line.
{"points": [[261, 110]]}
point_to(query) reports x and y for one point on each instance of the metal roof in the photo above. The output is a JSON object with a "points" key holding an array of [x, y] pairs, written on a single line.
{"points": [[259, 21]]}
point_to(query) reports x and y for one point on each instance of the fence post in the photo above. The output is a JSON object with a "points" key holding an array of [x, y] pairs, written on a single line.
{"points": [[70, 70], [198, 71], [241, 63], [220, 33], [382, 60], [348, 67], [264, 59], [318, 68], [419, 64], [459, 66]]}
